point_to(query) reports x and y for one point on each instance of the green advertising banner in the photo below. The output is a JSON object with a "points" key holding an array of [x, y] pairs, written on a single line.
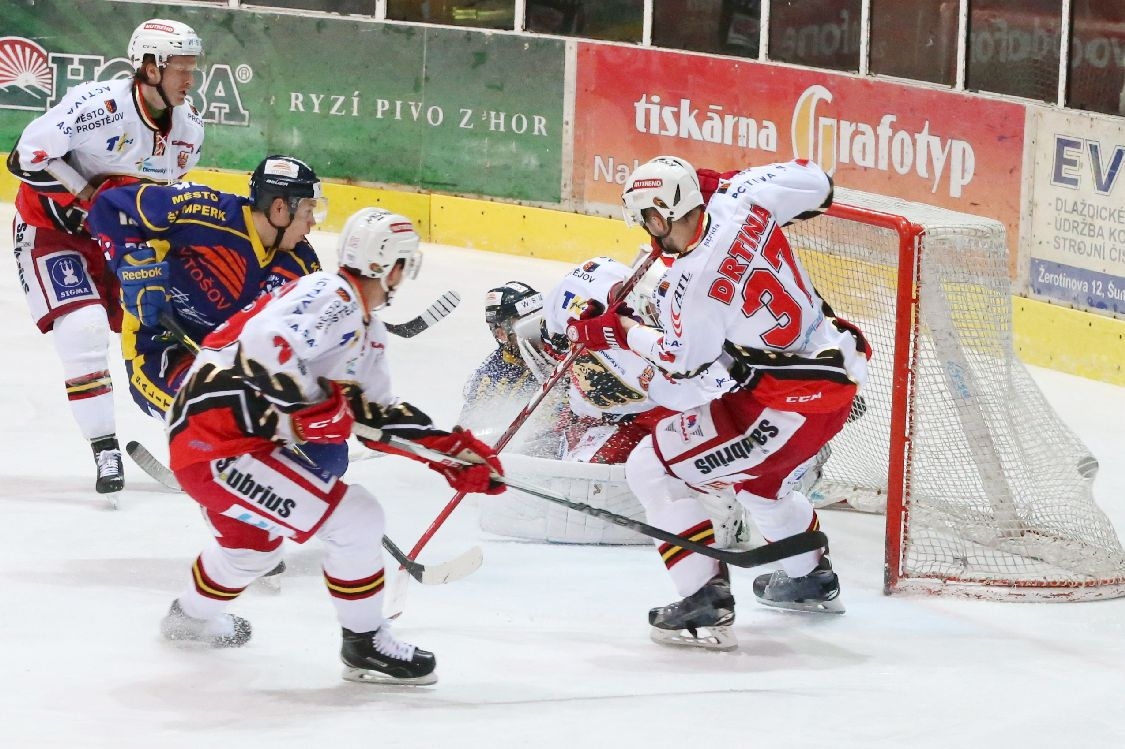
{"points": [[433, 108]]}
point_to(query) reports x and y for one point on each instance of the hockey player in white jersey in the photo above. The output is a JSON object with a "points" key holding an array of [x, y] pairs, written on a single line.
{"points": [[613, 398], [99, 134], [738, 295], [300, 366], [615, 395]]}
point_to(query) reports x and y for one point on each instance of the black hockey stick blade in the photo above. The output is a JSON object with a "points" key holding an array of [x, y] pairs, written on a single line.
{"points": [[437, 574], [445, 304], [782, 548], [786, 547], [153, 467]]}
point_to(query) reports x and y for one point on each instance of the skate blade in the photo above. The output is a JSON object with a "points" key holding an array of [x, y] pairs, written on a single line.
{"points": [[833, 606], [703, 638], [112, 500], [187, 642], [270, 584], [271, 581], [367, 676]]}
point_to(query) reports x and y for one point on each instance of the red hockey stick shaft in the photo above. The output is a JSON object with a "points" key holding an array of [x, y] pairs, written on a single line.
{"points": [[526, 411]]}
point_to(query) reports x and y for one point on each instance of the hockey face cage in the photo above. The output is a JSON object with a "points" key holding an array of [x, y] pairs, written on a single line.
{"points": [[507, 304]]}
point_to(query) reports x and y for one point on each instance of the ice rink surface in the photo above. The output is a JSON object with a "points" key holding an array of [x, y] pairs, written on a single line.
{"points": [[545, 646]]}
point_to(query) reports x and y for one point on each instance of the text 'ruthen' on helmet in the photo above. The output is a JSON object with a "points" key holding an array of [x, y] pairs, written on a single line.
{"points": [[667, 184], [162, 39]]}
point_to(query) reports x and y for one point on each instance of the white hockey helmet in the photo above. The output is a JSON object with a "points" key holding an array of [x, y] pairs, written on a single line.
{"points": [[162, 39], [667, 184], [374, 239]]}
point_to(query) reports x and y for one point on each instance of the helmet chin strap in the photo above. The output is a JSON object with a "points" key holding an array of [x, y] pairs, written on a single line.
{"points": [[388, 293], [159, 86], [163, 96], [280, 229]]}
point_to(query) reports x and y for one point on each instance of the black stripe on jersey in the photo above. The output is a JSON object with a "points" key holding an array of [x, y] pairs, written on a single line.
{"points": [[234, 400], [41, 180], [751, 364]]}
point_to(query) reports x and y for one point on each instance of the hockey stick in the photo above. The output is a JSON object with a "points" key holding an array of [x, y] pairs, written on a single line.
{"points": [[433, 314], [445, 304], [437, 574], [153, 467], [455, 569], [786, 547], [560, 369]]}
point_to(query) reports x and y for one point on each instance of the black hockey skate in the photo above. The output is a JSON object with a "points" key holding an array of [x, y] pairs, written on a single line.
{"points": [[111, 472], [378, 658], [702, 620], [225, 631], [817, 591]]}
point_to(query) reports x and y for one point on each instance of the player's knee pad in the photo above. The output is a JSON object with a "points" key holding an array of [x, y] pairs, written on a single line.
{"points": [[240, 564], [649, 479], [357, 519], [82, 341], [777, 518]]}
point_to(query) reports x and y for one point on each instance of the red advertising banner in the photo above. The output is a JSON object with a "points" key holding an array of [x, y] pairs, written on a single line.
{"points": [[957, 151]]}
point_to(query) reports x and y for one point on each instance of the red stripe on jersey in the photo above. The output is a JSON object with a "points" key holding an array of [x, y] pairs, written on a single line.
{"points": [[228, 265], [89, 386], [208, 588], [703, 533], [354, 590]]}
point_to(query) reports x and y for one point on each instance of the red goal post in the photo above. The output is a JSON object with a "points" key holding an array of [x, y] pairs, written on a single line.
{"points": [[987, 492]]}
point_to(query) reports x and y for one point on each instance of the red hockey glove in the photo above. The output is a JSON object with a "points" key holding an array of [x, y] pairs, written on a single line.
{"points": [[329, 420], [598, 330], [480, 477]]}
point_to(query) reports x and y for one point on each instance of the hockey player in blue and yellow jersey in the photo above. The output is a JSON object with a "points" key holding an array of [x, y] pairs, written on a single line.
{"points": [[199, 255]]}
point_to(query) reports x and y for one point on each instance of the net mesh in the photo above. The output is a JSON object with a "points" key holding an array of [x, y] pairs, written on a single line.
{"points": [[998, 490]]}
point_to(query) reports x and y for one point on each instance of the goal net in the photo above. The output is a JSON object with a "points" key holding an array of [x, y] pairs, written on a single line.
{"points": [[987, 493]]}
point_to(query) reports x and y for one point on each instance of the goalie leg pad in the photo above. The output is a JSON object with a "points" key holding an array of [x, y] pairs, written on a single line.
{"points": [[515, 514], [598, 485]]}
